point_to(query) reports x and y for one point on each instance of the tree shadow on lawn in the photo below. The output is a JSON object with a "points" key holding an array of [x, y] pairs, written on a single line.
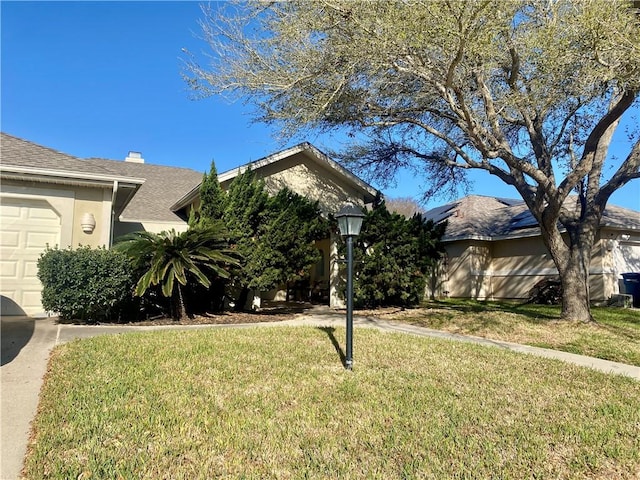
{"points": [[534, 313]]}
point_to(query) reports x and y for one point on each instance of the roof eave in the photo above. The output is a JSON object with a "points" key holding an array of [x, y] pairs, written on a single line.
{"points": [[186, 199], [61, 176]]}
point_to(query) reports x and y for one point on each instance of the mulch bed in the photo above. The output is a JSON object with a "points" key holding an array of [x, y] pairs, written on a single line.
{"points": [[276, 312]]}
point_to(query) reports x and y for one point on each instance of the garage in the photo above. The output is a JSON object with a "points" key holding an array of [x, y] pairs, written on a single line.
{"points": [[628, 258], [28, 226]]}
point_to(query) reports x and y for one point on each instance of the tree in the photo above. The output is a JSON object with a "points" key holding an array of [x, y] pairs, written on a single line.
{"points": [[529, 91], [394, 256], [212, 197], [405, 206], [274, 235], [243, 213], [173, 260], [291, 227]]}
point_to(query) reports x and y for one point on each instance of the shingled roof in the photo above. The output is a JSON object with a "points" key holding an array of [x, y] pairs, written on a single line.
{"points": [[17, 152], [162, 186], [491, 218]]}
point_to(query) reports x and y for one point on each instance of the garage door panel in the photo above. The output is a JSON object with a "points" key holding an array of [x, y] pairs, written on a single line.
{"points": [[39, 240], [10, 239], [10, 212], [31, 270], [31, 297], [8, 269], [46, 215], [28, 225]]}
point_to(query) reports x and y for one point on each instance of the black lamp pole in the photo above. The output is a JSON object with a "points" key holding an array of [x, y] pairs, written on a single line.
{"points": [[349, 221], [348, 362]]}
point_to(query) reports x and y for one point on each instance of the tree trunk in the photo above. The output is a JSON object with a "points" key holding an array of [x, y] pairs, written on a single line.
{"points": [[181, 313], [575, 289], [572, 259]]}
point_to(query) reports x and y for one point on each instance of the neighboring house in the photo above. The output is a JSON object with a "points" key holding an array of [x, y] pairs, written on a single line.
{"points": [[495, 250], [51, 198]]}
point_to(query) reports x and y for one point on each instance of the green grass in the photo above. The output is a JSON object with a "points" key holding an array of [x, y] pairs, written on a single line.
{"points": [[614, 336], [277, 403]]}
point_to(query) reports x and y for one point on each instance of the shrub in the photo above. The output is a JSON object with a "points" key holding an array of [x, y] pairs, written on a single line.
{"points": [[393, 256], [85, 284], [547, 291]]}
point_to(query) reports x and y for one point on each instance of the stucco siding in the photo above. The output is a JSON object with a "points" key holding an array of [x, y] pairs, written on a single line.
{"points": [[91, 201], [509, 269], [309, 179], [457, 283]]}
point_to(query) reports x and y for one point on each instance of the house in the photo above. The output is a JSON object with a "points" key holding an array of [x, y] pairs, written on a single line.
{"points": [[306, 171], [52, 198], [495, 250]]}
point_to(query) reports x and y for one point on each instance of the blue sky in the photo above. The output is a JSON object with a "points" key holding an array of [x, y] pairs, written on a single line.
{"points": [[98, 79]]}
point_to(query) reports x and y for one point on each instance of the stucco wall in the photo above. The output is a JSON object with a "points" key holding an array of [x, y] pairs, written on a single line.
{"points": [[124, 228], [309, 179], [97, 202], [457, 272], [508, 269], [70, 202]]}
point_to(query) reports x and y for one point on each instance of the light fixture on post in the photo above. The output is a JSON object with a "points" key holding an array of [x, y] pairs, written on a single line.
{"points": [[349, 222]]}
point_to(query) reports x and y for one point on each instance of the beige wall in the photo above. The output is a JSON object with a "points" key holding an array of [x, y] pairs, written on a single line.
{"points": [[96, 201], [309, 179], [70, 202], [124, 228], [509, 269]]}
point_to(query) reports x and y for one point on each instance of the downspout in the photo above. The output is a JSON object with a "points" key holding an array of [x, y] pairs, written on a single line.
{"points": [[113, 211]]}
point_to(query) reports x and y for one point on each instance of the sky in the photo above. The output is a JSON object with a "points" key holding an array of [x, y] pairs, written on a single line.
{"points": [[100, 79]]}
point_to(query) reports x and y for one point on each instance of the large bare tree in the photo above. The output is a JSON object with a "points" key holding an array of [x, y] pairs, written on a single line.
{"points": [[529, 90]]}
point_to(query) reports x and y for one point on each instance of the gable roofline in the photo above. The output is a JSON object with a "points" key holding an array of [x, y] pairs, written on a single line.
{"points": [[316, 154]]}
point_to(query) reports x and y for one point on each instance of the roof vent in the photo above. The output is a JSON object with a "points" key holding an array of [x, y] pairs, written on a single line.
{"points": [[134, 157]]}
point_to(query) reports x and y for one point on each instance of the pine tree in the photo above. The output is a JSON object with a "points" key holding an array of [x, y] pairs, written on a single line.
{"points": [[274, 235], [394, 256], [212, 197]]}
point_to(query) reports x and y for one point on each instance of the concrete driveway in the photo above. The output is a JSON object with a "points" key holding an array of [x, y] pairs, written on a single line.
{"points": [[27, 344]]}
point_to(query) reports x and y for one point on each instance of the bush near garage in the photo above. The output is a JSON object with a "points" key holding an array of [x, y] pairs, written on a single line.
{"points": [[86, 284]]}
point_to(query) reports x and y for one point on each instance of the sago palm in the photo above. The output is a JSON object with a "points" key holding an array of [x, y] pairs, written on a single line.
{"points": [[173, 259]]}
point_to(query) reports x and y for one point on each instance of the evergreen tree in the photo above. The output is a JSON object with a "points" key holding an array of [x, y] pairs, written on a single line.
{"points": [[245, 205], [274, 235], [290, 228], [393, 256], [212, 197]]}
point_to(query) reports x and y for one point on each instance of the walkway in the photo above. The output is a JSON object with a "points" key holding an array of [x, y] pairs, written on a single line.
{"points": [[27, 343]]}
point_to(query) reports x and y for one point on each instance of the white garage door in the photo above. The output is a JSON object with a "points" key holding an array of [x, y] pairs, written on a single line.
{"points": [[628, 259], [27, 227]]}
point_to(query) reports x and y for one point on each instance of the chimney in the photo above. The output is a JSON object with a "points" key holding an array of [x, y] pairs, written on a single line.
{"points": [[134, 157]]}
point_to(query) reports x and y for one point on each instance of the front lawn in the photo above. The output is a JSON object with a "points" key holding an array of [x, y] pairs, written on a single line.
{"points": [[277, 403], [615, 336]]}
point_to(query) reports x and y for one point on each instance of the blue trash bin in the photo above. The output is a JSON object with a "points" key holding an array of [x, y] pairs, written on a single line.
{"points": [[632, 286]]}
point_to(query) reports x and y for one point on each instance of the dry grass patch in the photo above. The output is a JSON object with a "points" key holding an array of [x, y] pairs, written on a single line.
{"points": [[614, 336], [277, 403]]}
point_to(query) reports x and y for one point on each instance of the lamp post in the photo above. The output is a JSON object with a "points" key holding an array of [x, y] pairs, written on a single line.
{"points": [[349, 222]]}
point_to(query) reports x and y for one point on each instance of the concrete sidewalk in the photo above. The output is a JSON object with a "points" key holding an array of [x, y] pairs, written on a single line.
{"points": [[27, 344]]}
